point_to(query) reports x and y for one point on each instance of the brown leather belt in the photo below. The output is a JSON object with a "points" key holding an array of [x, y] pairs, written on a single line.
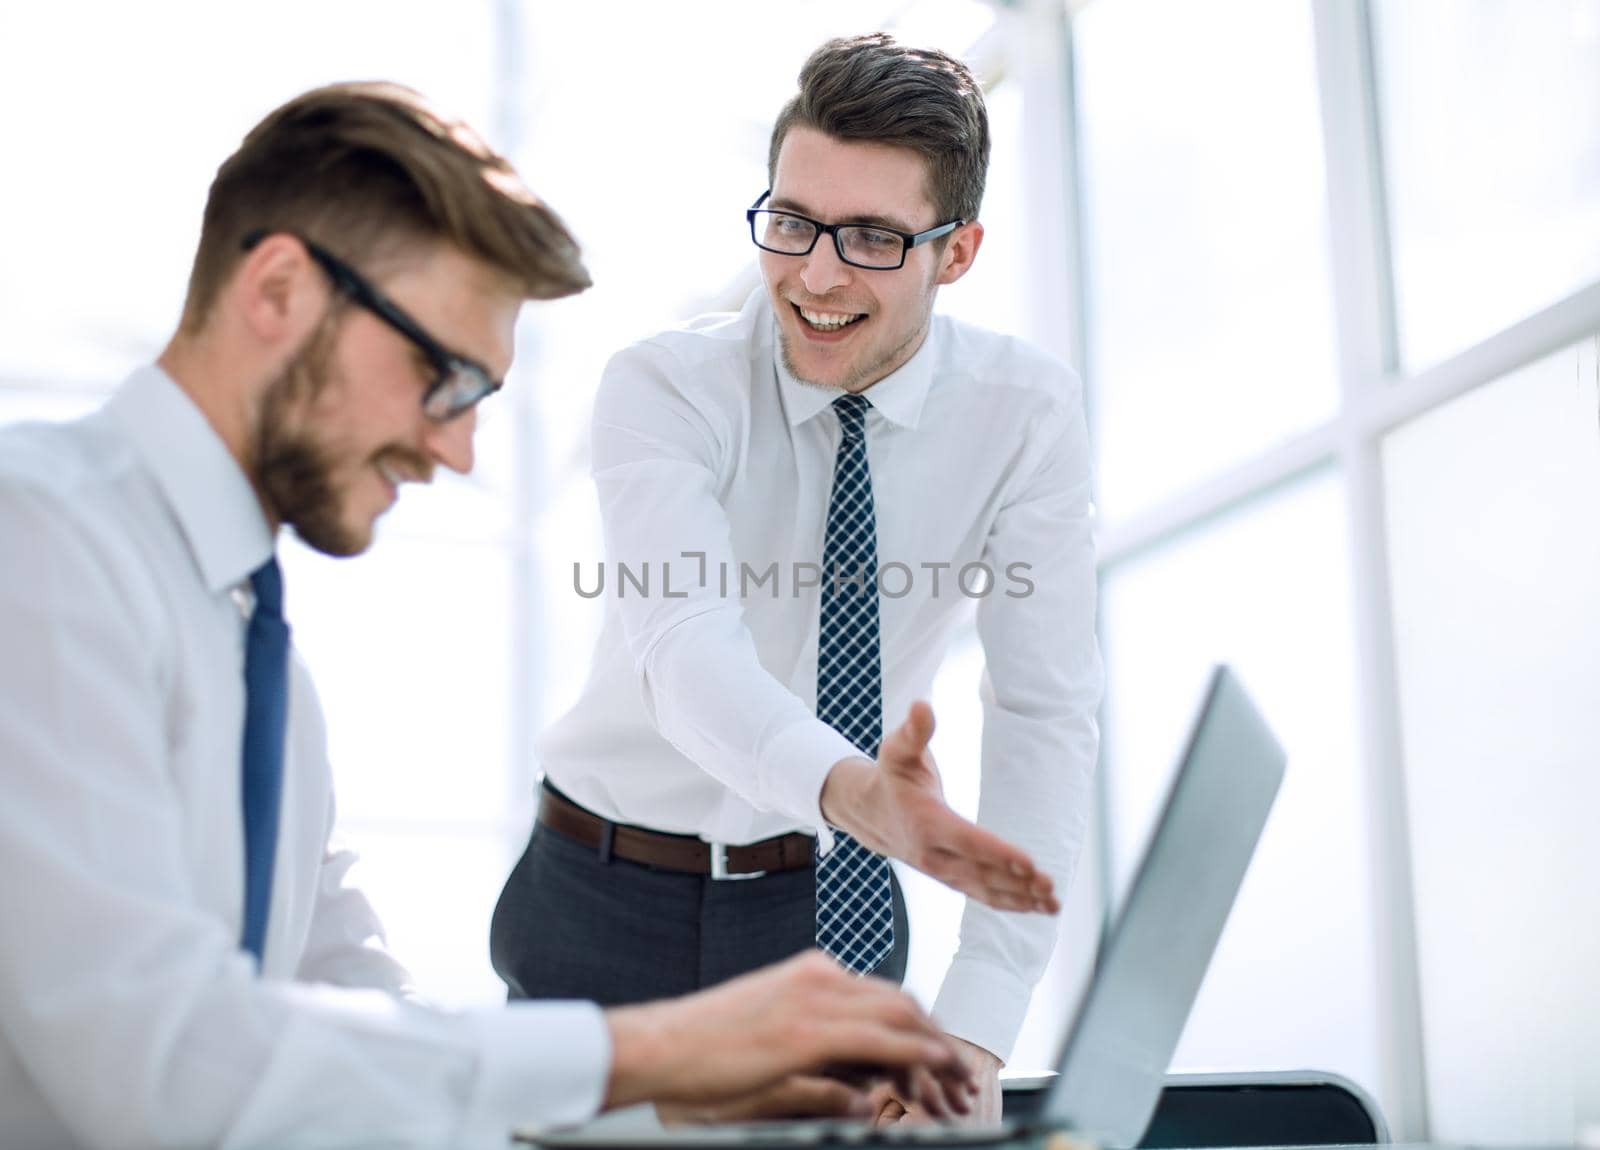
{"points": [[671, 852]]}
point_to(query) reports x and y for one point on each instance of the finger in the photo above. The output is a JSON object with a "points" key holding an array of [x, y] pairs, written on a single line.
{"points": [[840, 998], [909, 740], [932, 1085], [988, 885], [881, 1001], [999, 881], [919, 723], [944, 1095], [809, 1096], [930, 1094], [798, 1096], [936, 1097], [873, 1050], [979, 863], [941, 831], [948, 832], [1002, 888], [881, 1094], [890, 1111]]}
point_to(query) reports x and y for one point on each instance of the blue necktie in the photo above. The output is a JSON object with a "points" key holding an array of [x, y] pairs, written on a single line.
{"points": [[266, 712], [855, 904]]}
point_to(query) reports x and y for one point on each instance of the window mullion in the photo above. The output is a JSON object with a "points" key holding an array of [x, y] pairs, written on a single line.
{"points": [[1364, 322]]}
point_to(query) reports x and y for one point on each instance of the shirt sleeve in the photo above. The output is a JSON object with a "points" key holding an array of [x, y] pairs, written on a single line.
{"points": [[1040, 692], [657, 457], [129, 1007]]}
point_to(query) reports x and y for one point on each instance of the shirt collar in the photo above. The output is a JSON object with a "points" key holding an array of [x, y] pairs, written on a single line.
{"points": [[216, 508], [898, 396]]}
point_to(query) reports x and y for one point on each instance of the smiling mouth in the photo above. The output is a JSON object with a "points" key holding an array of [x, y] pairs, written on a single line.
{"points": [[391, 474], [397, 473], [827, 321]]}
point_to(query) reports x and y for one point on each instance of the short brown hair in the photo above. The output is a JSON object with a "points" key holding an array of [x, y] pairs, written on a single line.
{"points": [[368, 170], [872, 88]]}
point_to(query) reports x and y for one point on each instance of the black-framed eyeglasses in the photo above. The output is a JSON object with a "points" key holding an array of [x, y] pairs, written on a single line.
{"points": [[461, 382], [872, 246]]}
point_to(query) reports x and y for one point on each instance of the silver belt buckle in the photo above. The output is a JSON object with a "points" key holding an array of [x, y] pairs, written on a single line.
{"points": [[719, 865]]}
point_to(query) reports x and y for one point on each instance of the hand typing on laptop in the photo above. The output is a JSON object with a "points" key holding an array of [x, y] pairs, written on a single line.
{"points": [[890, 1106], [739, 1047], [896, 807]]}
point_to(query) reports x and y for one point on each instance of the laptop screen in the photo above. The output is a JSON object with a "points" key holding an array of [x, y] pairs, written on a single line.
{"points": [[1115, 1057]]}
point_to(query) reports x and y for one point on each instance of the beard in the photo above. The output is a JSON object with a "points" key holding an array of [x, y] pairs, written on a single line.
{"points": [[293, 468]]}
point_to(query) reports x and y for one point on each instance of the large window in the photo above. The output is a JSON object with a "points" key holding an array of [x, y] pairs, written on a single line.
{"points": [[1495, 573], [1339, 269], [121, 114], [1263, 589], [1491, 133], [1210, 332]]}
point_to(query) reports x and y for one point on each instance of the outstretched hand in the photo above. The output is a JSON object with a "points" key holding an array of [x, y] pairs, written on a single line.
{"points": [[896, 807]]}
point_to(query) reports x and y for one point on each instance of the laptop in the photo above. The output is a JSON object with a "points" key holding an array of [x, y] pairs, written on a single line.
{"points": [[1117, 1045]]}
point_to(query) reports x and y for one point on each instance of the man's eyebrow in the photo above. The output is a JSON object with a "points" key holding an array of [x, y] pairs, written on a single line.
{"points": [[878, 221]]}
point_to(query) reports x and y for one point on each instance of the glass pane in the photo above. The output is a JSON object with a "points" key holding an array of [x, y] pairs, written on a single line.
{"points": [[1209, 313], [992, 294], [92, 284], [27, 404], [706, 262], [435, 893], [1490, 114], [1265, 589], [1498, 625], [411, 653]]}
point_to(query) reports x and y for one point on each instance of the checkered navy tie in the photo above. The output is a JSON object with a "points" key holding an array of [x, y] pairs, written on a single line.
{"points": [[855, 908]]}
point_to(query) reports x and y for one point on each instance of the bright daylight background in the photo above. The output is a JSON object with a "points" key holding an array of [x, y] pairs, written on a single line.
{"points": [[1331, 271]]}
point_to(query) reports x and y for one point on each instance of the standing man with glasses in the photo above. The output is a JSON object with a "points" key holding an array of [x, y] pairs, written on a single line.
{"points": [[820, 484], [182, 961]]}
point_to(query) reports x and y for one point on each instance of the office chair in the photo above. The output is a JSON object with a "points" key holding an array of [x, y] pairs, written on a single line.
{"points": [[1285, 1108], [1268, 1108]]}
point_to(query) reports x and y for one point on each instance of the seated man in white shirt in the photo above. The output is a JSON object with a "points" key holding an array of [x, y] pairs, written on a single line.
{"points": [[182, 962], [801, 502]]}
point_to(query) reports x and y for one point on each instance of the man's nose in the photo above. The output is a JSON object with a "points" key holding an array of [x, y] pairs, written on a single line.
{"points": [[823, 269], [450, 442]]}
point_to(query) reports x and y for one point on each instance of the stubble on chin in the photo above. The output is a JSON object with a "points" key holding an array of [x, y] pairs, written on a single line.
{"points": [[292, 468], [861, 376], [786, 349]]}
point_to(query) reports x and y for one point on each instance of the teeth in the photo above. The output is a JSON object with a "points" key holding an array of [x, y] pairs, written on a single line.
{"points": [[389, 473], [828, 321]]}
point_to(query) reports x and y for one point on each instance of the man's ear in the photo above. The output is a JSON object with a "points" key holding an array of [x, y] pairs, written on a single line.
{"points": [[279, 292], [959, 252]]}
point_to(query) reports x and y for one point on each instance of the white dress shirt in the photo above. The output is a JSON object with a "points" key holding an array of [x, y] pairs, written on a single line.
{"points": [[698, 716], [129, 1017]]}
